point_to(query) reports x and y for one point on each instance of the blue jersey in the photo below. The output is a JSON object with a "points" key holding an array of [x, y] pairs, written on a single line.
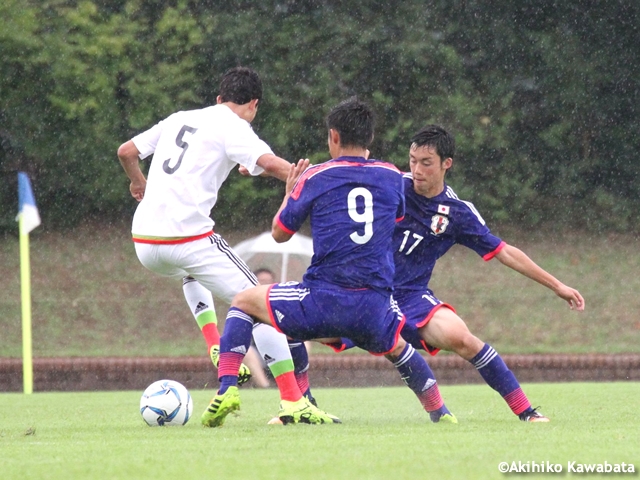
{"points": [[431, 226], [353, 205]]}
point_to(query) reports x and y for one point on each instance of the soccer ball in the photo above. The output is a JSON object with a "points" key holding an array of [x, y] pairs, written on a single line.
{"points": [[166, 402]]}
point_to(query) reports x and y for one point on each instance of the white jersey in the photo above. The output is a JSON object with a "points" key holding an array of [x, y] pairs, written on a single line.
{"points": [[194, 151]]}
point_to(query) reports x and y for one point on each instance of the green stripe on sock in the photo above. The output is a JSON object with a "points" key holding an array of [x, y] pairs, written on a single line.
{"points": [[207, 317], [281, 367]]}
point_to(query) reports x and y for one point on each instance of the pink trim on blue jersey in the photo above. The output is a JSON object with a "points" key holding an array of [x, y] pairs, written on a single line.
{"points": [[311, 171], [274, 324], [334, 346], [395, 342], [399, 219], [284, 228], [490, 255], [428, 348]]}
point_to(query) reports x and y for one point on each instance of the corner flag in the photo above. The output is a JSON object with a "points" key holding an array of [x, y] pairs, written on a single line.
{"points": [[28, 218], [28, 215]]}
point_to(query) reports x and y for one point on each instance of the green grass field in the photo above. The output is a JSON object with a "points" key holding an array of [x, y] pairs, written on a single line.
{"points": [[100, 435], [92, 297]]}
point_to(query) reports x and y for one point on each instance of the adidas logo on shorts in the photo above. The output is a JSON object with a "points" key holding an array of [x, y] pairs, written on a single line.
{"points": [[241, 349], [280, 315]]}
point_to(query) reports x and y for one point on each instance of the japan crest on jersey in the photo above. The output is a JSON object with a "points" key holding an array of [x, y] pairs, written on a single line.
{"points": [[439, 224]]}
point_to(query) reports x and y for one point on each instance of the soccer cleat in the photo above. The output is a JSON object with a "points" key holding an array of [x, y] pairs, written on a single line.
{"points": [[303, 411], [312, 400], [448, 418], [221, 405], [443, 415], [532, 415], [244, 374], [277, 421]]}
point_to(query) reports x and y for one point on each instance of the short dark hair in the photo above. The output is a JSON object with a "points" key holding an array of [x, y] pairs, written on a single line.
{"points": [[240, 85], [354, 121], [437, 137]]}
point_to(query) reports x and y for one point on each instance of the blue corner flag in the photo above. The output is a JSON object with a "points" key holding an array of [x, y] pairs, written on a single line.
{"points": [[28, 218], [27, 211]]}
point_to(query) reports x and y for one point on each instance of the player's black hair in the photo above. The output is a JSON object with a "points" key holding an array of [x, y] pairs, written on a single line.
{"points": [[436, 137], [240, 85], [354, 121]]}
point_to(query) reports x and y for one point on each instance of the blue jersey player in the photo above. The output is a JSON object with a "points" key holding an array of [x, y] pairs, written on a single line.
{"points": [[435, 220], [353, 205]]}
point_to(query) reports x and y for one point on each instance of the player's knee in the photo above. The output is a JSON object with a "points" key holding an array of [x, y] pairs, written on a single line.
{"points": [[251, 301], [241, 300], [394, 354], [467, 345]]}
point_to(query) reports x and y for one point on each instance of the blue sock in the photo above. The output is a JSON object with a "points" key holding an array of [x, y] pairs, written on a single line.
{"points": [[300, 358], [494, 371], [416, 373], [234, 344], [498, 376]]}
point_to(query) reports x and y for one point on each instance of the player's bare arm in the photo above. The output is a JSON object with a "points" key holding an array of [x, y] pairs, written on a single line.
{"points": [[517, 260], [274, 166], [128, 154], [295, 170]]}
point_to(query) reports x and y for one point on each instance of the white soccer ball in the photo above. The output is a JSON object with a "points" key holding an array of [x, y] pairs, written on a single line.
{"points": [[166, 402]]}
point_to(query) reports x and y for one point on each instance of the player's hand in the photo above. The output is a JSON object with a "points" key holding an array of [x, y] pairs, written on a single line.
{"points": [[294, 173], [137, 189], [243, 171], [572, 297]]}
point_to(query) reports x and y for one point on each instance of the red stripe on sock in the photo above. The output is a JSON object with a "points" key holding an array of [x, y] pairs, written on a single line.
{"points": [[211, 335], [229, 363], [517, 401], [302, 379], [431, 399], [288, 387]]}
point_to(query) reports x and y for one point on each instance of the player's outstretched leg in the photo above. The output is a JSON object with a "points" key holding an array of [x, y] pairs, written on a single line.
{"points": [[300, 358], [416, 373], [498, 376], [297, 406], [200, 303], [233, 346]]}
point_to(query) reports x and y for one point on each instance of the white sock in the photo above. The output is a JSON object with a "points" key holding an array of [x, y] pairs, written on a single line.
{"points": [[273, 347], [198, 298]]}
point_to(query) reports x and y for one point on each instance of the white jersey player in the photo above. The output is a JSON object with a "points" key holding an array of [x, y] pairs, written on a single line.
{"points": [[193, 153]]}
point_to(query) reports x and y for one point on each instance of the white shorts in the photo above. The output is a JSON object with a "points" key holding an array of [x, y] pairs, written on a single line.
{"points": [[211, 261]]}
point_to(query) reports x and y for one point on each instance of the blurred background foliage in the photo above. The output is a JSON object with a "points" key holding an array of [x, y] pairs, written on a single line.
{"points": [[542, 95]]}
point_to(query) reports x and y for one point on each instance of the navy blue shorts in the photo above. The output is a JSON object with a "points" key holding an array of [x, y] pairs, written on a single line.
{"points": [[418, 308], [370, 319]]}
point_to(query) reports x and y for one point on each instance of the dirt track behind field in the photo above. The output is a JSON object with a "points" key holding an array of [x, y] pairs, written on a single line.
{"points": [[128, 373]]}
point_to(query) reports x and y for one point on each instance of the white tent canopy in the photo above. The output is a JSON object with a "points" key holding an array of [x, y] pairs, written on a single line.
{"points": [[264, 246]]}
